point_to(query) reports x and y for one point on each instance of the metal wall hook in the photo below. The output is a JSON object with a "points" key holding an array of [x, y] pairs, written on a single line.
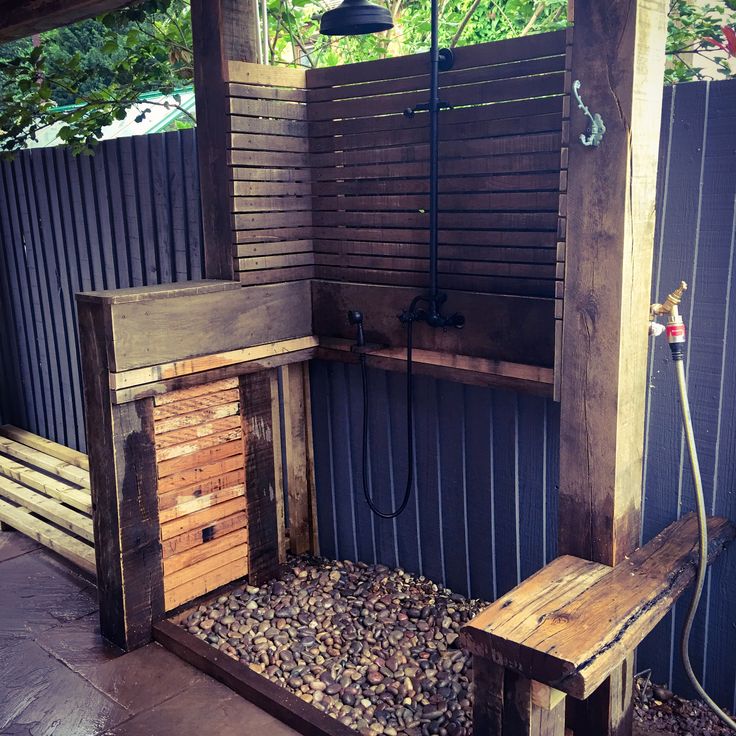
{"points": [[597, 128]]}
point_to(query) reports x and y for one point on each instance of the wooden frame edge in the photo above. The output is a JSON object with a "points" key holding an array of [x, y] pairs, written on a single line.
{"points": [[270, 697]]}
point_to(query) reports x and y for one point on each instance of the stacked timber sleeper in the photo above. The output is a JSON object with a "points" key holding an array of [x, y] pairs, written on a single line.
{"points": [[201, 492], [45, 494]]}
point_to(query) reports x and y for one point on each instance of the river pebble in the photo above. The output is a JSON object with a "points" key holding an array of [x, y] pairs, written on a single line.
{"points": [[374, 647]]}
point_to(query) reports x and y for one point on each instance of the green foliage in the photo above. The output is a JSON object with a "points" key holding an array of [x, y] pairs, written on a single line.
{"points": [[689, 52], [294, 28], [88, 75]]}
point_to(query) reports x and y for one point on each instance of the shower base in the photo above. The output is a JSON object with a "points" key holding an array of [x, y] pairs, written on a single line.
{"points": [[351, 647]]}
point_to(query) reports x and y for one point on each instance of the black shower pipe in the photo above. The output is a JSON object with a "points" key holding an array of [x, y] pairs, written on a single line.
{"points": [[439, 58]]}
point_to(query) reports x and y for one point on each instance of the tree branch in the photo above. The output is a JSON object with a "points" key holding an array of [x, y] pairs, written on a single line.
{"points": [[464, 22]]}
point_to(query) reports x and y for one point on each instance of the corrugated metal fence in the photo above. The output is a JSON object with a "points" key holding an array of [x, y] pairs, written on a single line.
{"points": [[483, 514], [127, 216]]}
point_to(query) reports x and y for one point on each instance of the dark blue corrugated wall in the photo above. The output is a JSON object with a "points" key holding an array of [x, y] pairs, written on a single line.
{"points": [[127, 216], [483, 515]]}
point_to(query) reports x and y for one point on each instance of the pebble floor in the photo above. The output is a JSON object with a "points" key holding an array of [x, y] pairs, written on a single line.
{"points": [[374, 647]]}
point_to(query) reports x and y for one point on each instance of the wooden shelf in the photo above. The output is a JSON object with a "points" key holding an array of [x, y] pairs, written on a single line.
{"points": [[461, 368]]}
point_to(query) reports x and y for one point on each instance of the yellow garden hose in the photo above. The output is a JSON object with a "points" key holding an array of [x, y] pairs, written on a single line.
{"points": [[703, 542]]}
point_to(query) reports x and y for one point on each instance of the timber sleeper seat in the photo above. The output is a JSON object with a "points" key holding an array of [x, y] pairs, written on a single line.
{"points": [[568, 627]]}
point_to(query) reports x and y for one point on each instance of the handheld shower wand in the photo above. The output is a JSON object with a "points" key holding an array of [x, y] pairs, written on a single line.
{"points": [[676, 338]]}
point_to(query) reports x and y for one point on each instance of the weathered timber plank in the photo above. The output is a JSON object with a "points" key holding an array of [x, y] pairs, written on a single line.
{"points": [[23, 19], [215, 397], [122, 458], [178, 368], [256, 407], [174, 563], [193, 537], [186, 505], [165, 330], [232, 559], [221, 31], [202, 518], [296, 459], [278, 464], [460, 368], [210, 439], [182, 494], [451, 78], [208, 455], [517, 49], [512, 329], [206, 583], [193, 419], [272, 698], [194, 391], [191, 476], [159, 388]]}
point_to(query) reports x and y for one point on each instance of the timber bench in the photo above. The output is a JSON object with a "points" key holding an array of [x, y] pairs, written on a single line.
{"points": [[570, 626]]}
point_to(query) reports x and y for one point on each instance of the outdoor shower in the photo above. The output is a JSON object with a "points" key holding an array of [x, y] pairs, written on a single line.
{"points": [[357, 17]]}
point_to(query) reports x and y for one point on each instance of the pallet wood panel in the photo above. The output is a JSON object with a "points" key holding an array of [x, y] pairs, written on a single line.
{"points": [[200, 485], [36, 502]]}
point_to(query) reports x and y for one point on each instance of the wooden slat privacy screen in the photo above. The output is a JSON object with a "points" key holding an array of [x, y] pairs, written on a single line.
{"points": [[499, 169], [330, 178], [271, 178]]}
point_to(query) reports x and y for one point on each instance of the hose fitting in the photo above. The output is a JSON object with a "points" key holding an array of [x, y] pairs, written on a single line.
{"points": [[676, 337]]}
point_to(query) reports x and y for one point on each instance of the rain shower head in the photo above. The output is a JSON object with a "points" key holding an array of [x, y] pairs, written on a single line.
{"points": [[355, 18]]}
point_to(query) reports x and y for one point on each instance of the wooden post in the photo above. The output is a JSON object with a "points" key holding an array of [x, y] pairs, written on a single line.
{"points": [[262, 504], [222, 31], [122, 460], [299, 461], [618, 56]]}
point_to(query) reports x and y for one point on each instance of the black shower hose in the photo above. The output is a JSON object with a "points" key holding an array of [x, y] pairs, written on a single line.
{"points": [[409, 425]]}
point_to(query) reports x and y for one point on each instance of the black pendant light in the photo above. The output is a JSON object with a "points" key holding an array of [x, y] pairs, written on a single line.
{"points": [[355, 18]]}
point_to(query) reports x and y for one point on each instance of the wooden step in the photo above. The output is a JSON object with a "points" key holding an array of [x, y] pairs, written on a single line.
{"points": [[72, 549], [46, 462], [61, 452], [49, 508], [61, 490], [569, 625]]}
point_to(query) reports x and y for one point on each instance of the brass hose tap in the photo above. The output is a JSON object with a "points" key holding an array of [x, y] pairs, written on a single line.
{"points": [[670, 304]]}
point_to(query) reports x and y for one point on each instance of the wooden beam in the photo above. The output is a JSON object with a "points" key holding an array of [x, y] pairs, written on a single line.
{"points": [[303, 717], [222, 31], [122, 458], [260, 482], [298, 458], [22, 18], [618, 56]]}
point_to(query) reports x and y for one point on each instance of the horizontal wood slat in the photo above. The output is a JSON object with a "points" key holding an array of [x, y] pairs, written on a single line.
{"points": [[517, 49], [42, 504], [329, 179]]}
